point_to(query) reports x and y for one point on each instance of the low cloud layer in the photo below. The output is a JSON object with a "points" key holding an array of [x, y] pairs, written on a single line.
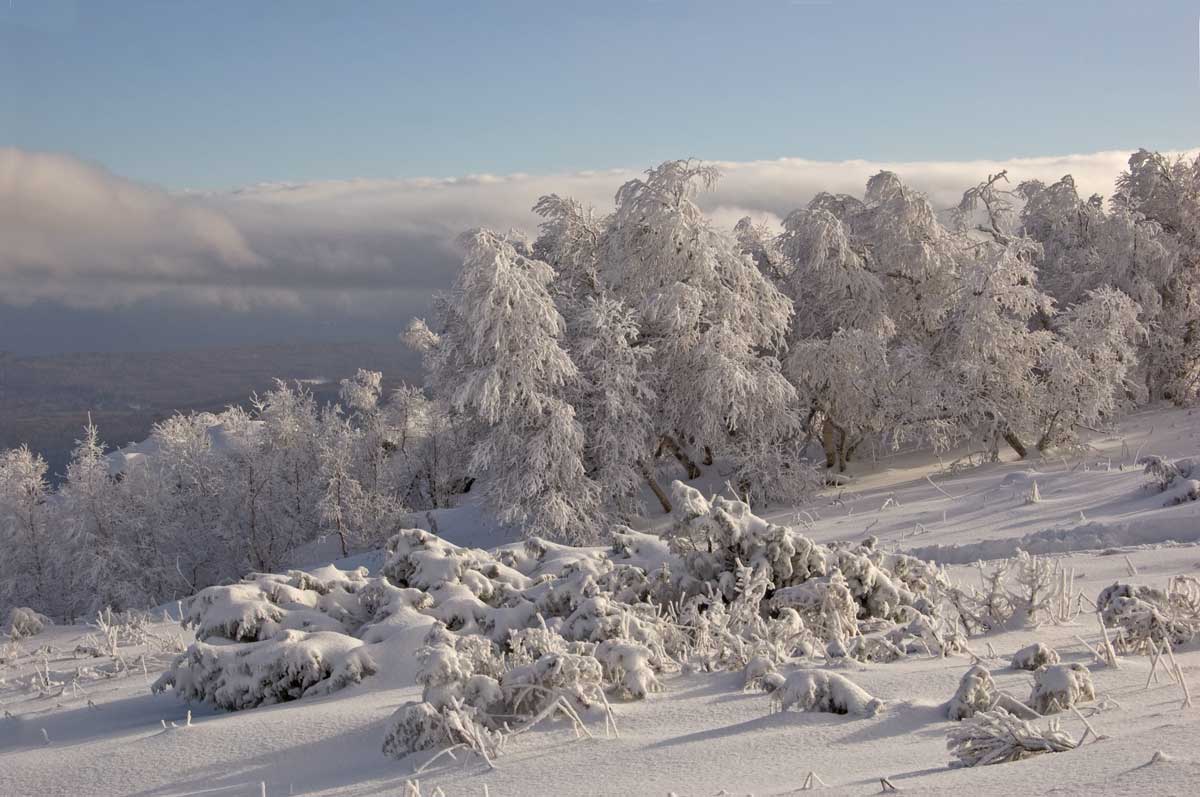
{"points": [[74, 235]]}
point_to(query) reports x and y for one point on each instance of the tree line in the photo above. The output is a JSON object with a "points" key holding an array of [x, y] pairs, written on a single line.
{"points": [[568, 375]]}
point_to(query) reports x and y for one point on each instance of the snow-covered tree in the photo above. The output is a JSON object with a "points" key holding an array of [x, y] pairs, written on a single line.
{"points": [[30, 567], [715, 321], [505, 367], [1087, 370], [98, 559], [615, 400]]}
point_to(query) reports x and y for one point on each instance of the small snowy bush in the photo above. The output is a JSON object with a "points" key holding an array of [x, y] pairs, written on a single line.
{"points": [[977, 693], [829, 692], [1162, 473], [290, 665], [760, 673], [1057, 687], [421, 726], [25, 622], [997, 737], [1146, 616], [1034, 656]]}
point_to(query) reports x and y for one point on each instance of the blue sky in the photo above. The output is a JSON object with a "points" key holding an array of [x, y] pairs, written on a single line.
{"points": [[213, 94]]}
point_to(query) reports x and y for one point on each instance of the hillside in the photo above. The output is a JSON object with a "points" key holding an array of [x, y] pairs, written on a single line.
{"points": [[702, 734]]}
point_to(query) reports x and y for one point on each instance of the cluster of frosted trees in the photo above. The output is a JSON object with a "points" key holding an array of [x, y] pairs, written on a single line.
{"points": [[569, 376], [581, 363], [209, 497]]}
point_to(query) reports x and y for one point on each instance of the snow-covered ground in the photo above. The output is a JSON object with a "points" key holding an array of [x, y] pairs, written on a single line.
{"points": [[77, 723]]}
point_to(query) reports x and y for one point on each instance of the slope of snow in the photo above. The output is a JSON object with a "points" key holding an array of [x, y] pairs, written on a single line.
{"points": [[104, 731]]}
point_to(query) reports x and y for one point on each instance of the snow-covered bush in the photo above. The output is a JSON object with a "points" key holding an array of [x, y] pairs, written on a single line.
{"points": [[547, 630], [421, 726], [977, 693], [997, 737], [760, 674], [829, 692], [1024, 590], [473, 696], [1146, 616], [837, 593], [288, 666], [1162, 473], [1057, 687], [1034, 656], [25, 622]]}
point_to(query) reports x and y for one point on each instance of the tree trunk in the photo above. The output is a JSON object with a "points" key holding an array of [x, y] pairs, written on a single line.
{"points": [[1044, 441], [668, 442], [654, 487], [1015, 443], [827, 442]]}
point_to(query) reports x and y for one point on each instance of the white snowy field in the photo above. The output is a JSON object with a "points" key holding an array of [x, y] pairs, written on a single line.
{"points": [[74, 723]]}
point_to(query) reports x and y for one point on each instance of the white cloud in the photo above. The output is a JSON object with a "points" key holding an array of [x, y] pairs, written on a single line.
{"points": [[76, 234]]}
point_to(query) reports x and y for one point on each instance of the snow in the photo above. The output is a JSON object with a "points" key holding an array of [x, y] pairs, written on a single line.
{"points": [[703, 732]]}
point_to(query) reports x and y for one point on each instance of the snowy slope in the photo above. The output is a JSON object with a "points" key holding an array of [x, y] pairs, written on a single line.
{"points": [[702, 734]]}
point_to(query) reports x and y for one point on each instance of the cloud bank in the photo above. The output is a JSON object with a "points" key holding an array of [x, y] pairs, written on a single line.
{"points": [[78, 236]]}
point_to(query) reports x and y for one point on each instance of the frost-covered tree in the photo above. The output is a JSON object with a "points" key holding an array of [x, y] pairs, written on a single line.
{"points": [[1144, 244], [569, 240], [715, 321], [500, 361], [196, 496], [615, 401], [985, 351], [288, 450], [1166, 192], [99, 562], [30, 566], [873, 281], [1087, 370]]}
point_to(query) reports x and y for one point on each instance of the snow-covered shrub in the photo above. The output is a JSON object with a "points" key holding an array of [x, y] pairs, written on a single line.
{"points": [[1039, 587], [829, 692], [977, 693], [1182, 492], [1026, 589], [422, 726], [997, 737], [833, 590], [547, 630], [1034, 656], [1145, 616], [627, 665], [1162, 473], [25, 622], [258, 607], [290, 665], [760, 673], [1057, 687], [472, 695]]}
